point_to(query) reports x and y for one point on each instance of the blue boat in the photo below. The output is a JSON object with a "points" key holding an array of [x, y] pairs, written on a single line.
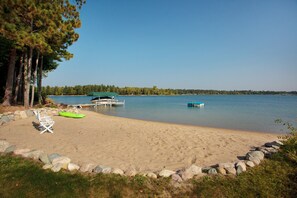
{"points": [[195, 104]]}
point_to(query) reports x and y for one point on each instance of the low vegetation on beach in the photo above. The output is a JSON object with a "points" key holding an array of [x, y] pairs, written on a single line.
{"points": [[275, 177]]}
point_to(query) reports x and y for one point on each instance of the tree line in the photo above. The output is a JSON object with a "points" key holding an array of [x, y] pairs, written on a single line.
{"points": [[85, 89], [34, 37]]}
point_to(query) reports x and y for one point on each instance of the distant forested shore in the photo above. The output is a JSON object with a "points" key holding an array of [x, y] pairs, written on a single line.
{"points": [[85, 89]]}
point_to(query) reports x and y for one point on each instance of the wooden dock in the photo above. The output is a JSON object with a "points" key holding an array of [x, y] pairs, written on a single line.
{"points": [[99, 103]]}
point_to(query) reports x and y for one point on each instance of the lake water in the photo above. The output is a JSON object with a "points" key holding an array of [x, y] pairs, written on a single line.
{"points": [[243, 112]]}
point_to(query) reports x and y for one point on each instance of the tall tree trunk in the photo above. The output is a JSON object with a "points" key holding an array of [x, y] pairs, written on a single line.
{"points": [[18, 80], [34, 79], [27, 79], [9, 81], [39, 81]]}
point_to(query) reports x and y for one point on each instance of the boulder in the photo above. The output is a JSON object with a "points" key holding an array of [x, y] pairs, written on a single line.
{"points": [[254, 155], [102, 169], [29, 113], [17, 117], [206, 169], [52, 156], [44, 158], [87, 168], [175, 177], [239, 170], [10, 149], [212, 171], [275, 147], [33, 154], [242, 165], [5, 119], [57, 167], [47, 166], [166, 173], [250, 163], [117, 171], [130, 172], [64, 161], [151, 175], [11, 117], [226, 165], [21, 151], [3, 145], [72, 167], [221, 170], [274, 143], [230, 170], [256, 161], [23, 114]]}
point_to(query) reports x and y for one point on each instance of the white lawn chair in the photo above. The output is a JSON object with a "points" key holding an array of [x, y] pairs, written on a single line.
{"points": [[45, 122]]}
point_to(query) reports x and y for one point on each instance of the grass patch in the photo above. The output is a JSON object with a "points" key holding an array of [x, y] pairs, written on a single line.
{"points": [[276, 177]]}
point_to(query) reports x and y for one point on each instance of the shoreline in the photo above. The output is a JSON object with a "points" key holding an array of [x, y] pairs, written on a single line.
{"points": [[125, 142]]}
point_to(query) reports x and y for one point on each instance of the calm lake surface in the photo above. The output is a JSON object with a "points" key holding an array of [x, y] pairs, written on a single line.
{"points": [[243, 112]]}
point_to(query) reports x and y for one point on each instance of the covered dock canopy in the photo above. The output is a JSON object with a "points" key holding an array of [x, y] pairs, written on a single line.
{"points": [[103, 94]]}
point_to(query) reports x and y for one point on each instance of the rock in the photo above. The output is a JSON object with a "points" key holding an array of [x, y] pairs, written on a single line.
{"points": [[271, 150], [255, 155], [52, 156], [206, 169], [21, 151], [250, 163], [117, 171], [29, 113], [239, 170], [47, 166], [226, 165], [44, 158], [175, 177], [17, 117], [279, 143], [195, 170], [221, 170], [87, 168], [57, 167], [3, 145], [151, 175], [212, 171], [11, 117], [23, 114], [190, 172], [274, 143], [10, 149], [102, 169], [275, 147], [256, 161], [131, 172], [166, 173], [242, 165], [72, 167], [230, 170], [33, 154], [5, 119], [64, 161]]}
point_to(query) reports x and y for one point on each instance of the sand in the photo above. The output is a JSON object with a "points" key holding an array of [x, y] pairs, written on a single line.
{"points": [[143, 145]]}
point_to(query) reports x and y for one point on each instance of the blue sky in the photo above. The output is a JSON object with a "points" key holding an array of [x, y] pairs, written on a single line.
{"points": [[199, 44]]}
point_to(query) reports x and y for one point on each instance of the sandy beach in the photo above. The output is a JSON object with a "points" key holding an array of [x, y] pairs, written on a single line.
{"points": [[143, 145]]}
